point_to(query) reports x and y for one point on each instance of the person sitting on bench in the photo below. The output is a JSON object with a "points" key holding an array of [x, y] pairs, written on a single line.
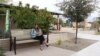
{"points": [[37, 34]]}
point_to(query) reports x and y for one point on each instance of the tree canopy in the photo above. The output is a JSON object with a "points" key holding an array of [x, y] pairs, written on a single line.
{"points": [[76, 9], [99, 20], [4, 1], [26, 17]]}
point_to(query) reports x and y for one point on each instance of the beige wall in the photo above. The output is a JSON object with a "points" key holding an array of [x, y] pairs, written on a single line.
{"points": [[82, 24]]}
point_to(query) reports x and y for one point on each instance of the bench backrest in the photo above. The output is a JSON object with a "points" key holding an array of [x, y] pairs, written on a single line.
{"points": [[21, 34]]}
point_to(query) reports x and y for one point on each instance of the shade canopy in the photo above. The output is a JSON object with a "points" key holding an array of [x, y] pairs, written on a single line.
{"points": [[4, 5]]}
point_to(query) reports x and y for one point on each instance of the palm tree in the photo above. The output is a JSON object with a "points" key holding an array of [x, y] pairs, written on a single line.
{"points": [[27, 5], [20, 4]]}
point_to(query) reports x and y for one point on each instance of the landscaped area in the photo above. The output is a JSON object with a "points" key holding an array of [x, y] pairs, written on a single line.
{"points": [[67, 45], [49, 28], [70, 45]]}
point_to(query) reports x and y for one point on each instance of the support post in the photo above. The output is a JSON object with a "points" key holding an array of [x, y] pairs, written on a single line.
{"points": [[7, 21], [58, 23]]}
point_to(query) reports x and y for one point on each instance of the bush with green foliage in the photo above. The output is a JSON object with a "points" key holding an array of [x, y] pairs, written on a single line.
{"points": [[97, 33], [26, 18], [59, 42], [2, 52], [4, 1]]}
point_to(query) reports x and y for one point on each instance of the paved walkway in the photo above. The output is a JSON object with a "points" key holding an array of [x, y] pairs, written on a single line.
{"points": [[83, 34], [51, 51], [92, 50], [35, 51], [54, 51]]}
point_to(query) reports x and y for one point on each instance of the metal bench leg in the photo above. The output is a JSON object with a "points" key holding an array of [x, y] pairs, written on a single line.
{"points": [[15, 45], [48, 38], [10, 43]]}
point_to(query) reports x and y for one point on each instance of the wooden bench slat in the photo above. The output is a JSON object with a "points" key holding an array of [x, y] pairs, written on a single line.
{"points": [[21, 36], [26, 41]]}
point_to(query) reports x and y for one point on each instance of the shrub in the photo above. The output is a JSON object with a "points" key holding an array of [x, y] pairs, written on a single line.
{"points": [[97, 33], [2, 52], [59, 41]]}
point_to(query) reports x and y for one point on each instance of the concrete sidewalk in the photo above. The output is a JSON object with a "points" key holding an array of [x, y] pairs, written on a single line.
{"points": [[54, 51], [35, 51], [92, 50], [50, 51], [83, 34]]}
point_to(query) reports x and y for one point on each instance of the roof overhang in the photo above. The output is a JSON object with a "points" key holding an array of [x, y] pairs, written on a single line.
{"points": [[55, 13], [4, 5]]}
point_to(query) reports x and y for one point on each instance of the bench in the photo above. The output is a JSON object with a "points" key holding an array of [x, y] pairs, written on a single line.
{"points": [[20, 36]]}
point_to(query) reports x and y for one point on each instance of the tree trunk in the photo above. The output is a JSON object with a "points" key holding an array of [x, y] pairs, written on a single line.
{"points": [[48, 37], [97, 27], [84, 25], [98, 30], [76, 32]]}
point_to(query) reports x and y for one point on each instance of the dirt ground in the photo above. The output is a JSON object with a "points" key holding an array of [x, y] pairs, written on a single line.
{"points": [[70, 44]]}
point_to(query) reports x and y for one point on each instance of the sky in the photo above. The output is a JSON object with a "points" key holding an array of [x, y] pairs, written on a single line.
{"points": [[51, 6]]}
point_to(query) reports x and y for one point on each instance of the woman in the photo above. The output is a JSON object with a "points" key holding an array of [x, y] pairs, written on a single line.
{"points": [[38, 35]]}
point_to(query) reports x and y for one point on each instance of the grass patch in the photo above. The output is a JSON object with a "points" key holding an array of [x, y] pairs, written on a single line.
{"points": [[70, 45], [97, 33], [58, 42], [1, 52]]}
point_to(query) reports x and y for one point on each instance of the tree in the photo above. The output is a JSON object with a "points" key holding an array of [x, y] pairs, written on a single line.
{"points": [[27, 5], [26, 17], [44, 18], [20, 4], [2, 52], [62, 23], [23, 18], [99, 20], [35, 7], [98, 24], [4, 1], [76, 10]]}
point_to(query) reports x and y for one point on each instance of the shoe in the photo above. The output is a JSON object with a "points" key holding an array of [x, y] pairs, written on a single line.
{"points": [[41, 47], [47, 45]]}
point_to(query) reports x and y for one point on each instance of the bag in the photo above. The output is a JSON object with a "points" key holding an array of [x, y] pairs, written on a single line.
{"points": [[33, 33]]}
